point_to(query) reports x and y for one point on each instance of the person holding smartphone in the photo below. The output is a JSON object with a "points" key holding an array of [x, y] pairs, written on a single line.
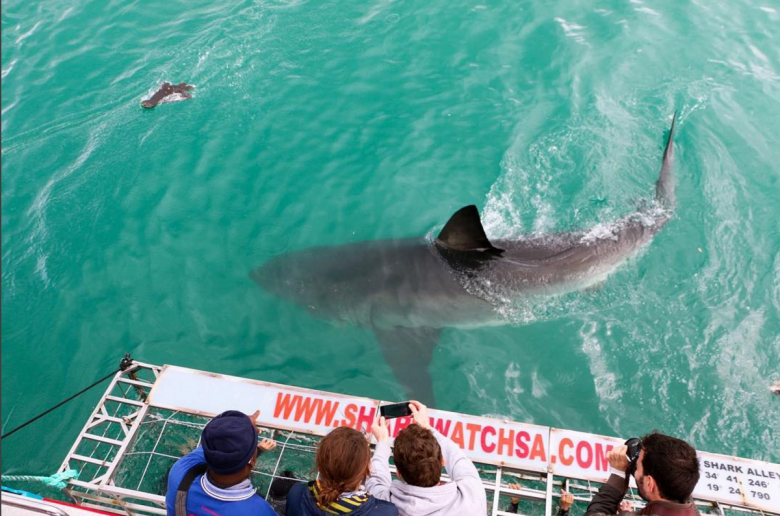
{"points": [[419, 453]]}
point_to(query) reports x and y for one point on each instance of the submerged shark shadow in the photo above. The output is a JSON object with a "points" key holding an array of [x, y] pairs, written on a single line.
{"points": [[408, 290]]}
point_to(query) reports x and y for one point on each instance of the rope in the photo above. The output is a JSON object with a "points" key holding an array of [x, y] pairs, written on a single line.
{"points": [[82, 391], [58, 480]]}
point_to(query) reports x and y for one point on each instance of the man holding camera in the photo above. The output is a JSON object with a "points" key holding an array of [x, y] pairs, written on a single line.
{"points": [[666, 471]]}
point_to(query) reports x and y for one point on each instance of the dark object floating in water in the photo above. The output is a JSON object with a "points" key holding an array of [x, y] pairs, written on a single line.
{"points": [[776, 388], [167, 90]]}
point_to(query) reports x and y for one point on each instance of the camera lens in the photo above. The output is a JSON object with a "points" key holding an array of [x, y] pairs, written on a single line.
{"points": [[634, 446]]}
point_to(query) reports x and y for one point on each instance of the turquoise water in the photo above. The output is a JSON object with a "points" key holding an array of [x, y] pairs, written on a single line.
{"points": [[313, 123]]}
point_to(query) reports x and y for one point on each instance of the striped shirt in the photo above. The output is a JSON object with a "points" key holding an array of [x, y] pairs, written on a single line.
{"points": [[346, 503]]}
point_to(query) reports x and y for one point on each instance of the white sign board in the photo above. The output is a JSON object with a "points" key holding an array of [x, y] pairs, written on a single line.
{"points": [[289, 408], [739, 481], [581, 455], [491, 441]]}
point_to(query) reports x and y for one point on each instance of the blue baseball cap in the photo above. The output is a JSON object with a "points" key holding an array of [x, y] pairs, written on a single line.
{"points": [[229, 442]]}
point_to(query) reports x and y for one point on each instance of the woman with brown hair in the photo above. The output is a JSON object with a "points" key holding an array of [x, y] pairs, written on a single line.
{"points": [[343, 460]]}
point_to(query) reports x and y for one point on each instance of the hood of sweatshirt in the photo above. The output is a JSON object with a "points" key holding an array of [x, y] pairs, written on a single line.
{"points": [[428, 501]]}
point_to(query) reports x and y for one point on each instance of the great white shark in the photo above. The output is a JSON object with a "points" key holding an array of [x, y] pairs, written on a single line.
{"points": [[408, 290]]}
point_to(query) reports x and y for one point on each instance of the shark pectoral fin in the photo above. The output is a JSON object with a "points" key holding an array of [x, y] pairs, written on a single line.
{"points": [[409, 352]]}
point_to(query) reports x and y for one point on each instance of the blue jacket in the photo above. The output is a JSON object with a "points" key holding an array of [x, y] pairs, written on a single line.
{"points": [[301, 502], [217, 502]]}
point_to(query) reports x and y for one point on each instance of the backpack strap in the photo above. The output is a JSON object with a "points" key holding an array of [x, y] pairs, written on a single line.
{"points": [[184, 487]]}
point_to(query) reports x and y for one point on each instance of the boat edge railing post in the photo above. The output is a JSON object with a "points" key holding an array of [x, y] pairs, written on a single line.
{"points": [[548, 496]]}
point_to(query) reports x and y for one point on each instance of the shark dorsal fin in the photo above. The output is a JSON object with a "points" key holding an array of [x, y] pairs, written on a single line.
{"points": [[464, 232]]}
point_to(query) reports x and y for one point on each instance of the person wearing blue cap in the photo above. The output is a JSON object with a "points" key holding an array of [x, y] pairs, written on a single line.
{"points": [[214, 480]]}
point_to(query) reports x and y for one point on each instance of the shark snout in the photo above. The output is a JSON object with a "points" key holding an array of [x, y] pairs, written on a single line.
{"points": [[257, 276], [275, 278], [269, 278]]}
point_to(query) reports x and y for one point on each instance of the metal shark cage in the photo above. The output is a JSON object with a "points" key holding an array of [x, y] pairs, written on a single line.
{"points": [[150, 416]]}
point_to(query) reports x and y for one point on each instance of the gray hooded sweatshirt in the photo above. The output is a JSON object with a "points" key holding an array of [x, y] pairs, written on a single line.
{"points": [[463, 496]]}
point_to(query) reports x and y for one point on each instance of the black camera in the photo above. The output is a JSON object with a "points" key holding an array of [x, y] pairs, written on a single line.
{"points": [[634, 446]]}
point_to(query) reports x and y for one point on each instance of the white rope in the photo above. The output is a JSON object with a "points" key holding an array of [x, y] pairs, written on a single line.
{"points": [[158, 454]]}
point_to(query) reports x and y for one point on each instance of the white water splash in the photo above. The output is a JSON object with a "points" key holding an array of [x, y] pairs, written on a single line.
{"points": [[538, 385], [477, 378], [647, 10], [513, 407], [201, 60], [601, 231], [174, 97], [37, 211], [40, 270], [27, 34], [522, 187], [65, 14], [511, 379], [572, 30], [501, 218], [8, 108], [8, 69], [611, 230], [605, 381]]}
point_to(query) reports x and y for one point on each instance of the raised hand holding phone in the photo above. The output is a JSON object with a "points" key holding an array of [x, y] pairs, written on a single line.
{"points": [[420, 414], [381, 430]]}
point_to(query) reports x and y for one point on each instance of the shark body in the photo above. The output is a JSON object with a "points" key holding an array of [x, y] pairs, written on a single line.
{"points": [[408, 290]]}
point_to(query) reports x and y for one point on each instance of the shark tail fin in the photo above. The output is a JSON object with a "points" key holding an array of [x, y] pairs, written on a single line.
{"points": [[464, 232], [664, 187]]}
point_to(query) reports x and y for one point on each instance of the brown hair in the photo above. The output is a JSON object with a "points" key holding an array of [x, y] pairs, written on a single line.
{"points": [[417, 456], [672, 463], [343, 458]]}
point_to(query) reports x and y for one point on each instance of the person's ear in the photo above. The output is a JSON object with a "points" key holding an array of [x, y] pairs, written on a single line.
{"points": [[252, 462], [650, 484]]}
